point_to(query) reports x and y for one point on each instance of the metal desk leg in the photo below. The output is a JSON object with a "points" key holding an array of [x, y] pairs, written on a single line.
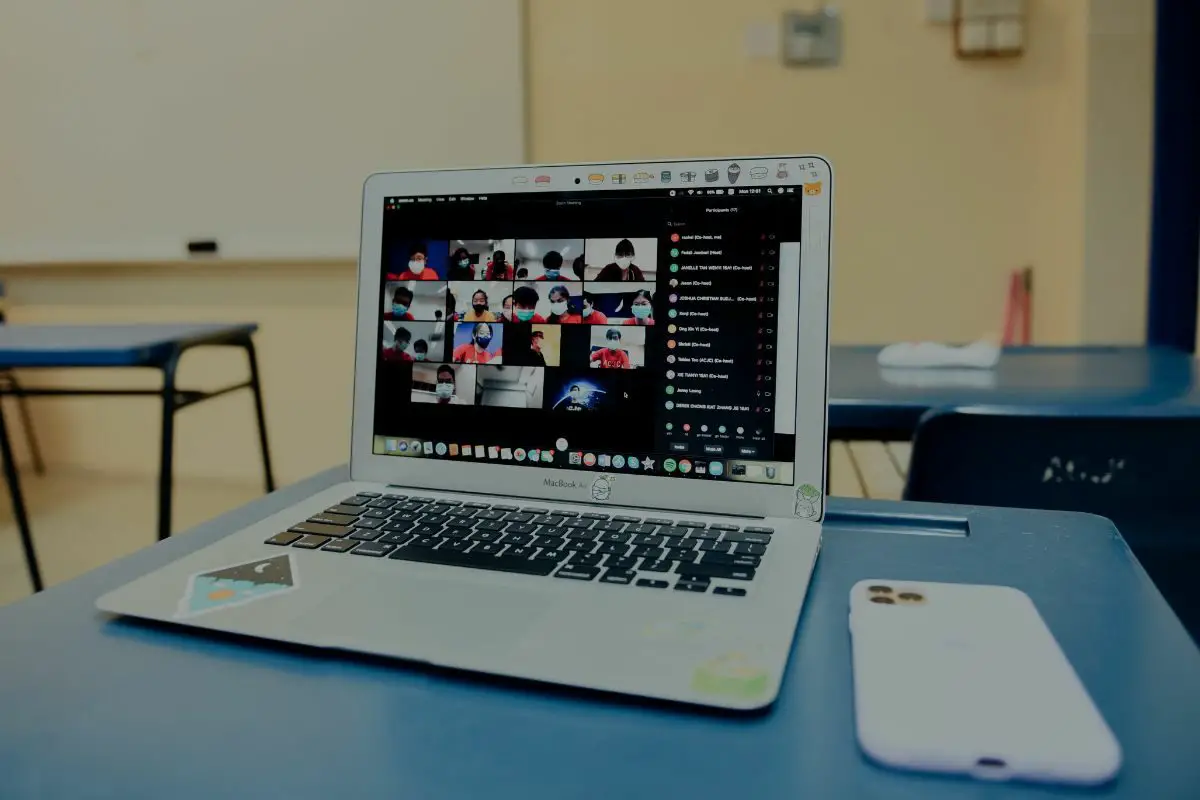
{"points": [[18, 506], [269, 477], [166, 476]]}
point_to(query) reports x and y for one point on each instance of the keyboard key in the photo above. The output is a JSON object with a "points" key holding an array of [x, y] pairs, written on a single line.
{"points": [[458, 523], [411, 505], [440, 519], [652, 541], [586, 559], [520, 528], [577, 573], [321, 529], [715, 547], [462, 512], [681, 554], [369, 522], [757, 529], [357, 500], [369, 494], [582, 545], [673, 531], [547, 541], [517, 539], [613, 549], [284, 538], [422, 499], [703, 535], [445, 502], [373, 549], [521, 552], [652, 584], [621, 562], [578, 524], [691, 524], [622, 576], [342, 508], [311, 542], [746, 536], [486, 536], [748, 549], [408, 516], [489, 513], [471, 559], [378, 513], [550, 554], [443, 510], [649, 552], [535, 510], [332, 519], [365, 535], [381, 502], [609, 526], [725, 559], [427, 530], [340, 545], [616, 538], [622, 518], [499, 507], [726, 571], [490, 548], [476, 504], [396, 538], [427, 541], [722, 526], [641, 530], [399, 526], [679, 541], [517, 516], [490, 525], [399, 498], [657, 521], [566, 513], [549, 520], [731, 591], [594, 515], [458, 545], [587, 536], [691, 586], [655, 566]]}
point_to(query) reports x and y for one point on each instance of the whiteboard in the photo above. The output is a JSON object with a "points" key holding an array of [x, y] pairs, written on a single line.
{"points": [[129, 127]]}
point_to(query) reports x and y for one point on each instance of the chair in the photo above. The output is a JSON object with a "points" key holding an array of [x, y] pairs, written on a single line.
{"points": [[1140, 469]]}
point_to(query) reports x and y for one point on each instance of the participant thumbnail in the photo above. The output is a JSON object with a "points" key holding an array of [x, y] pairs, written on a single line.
{"points": [[532, 345], [476, 259], [571, 391], [405, 342], [478, 301], [624, 303], [558, 303], [477, 343], [621, 260], [415, 260], [618, 347], [509, 387], [444, 384], [415, 301], [554, 260]]}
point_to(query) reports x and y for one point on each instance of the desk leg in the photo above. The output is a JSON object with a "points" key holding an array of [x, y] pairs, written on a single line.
{"points": [[166, 474], [18, 506], [256, 387]]}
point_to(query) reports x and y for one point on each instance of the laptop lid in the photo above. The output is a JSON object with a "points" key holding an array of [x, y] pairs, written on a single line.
{"points": [[649, 334]]}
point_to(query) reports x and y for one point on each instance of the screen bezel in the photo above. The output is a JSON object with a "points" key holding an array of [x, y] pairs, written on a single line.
{"points": [[575, 485]]}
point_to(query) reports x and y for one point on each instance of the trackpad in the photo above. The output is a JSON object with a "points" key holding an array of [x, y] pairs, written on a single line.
{"points": [[424, 618]]}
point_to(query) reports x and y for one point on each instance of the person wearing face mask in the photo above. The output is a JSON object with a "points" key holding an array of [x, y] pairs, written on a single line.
{"points": [[575, 399], [642, 308], [506, 309], [446, 386], [476, 350], [418, 267], [498, 269], [623, 268], [551, 266], [590, 314], [401, 301], [398, 352], [525, 299], [534, 357], [611, 356], [560, 307], [479, 309], [420, 350], [460, 266]]}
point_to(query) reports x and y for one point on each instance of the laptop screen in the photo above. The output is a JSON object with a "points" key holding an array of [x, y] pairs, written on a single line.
{"points": [[635, 331]]}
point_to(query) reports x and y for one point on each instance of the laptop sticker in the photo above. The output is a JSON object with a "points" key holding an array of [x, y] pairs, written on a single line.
{"points": [[237, 585], [808, 501], [730, 675], [601, 488]]}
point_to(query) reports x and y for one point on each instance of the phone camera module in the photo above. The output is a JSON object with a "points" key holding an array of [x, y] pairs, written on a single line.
{"points": [[882, 599]]}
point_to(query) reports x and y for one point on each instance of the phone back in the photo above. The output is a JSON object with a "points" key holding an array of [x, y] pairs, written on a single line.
{"points": [[968, 679]]}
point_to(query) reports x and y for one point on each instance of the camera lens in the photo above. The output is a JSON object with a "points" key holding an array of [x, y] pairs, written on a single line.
{"points": [[577, 180], [881, 599], [911, 596], [877, 589]]}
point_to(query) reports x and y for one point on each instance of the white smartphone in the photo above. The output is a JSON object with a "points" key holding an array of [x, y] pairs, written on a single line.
{"points": [[968, 679]]}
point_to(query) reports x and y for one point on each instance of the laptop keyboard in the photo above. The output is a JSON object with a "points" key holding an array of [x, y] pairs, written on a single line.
{"points": [[650, 552]]}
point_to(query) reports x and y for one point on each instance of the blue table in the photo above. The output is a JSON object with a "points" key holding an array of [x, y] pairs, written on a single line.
{"points": [[94, 706], [153, 346], [868, 403]]}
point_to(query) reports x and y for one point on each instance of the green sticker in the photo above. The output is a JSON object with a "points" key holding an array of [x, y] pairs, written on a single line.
{"points": [[732, 675]]}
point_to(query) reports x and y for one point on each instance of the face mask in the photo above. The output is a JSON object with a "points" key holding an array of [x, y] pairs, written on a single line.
{"points": [[575, 396], [483, 341], [480, 308], [624, 261], [444, 390], [642, 311], [399, 308], [464, 263], [401, 344], [551, 273], [419, 356], [559, 307], [416, 267], [587, 311], [613, 344], [524, 314]]}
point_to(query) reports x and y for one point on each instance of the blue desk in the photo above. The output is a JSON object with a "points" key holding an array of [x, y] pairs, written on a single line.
{"points": [[868, 403], [152, 346], [115, 708]]}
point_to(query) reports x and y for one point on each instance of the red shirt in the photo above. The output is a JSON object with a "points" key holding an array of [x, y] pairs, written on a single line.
{"points": [[569, 319], [595, 318], [505, 272], [611, 359], [405, 317], [391, 354], [465, 354], [633, 321], [426, 275]]}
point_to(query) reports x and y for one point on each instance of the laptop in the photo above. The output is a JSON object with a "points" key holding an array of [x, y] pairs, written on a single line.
{"points": [[588, 436]]}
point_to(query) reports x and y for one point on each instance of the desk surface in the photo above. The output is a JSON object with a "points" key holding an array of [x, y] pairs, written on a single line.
{"points": [[863, 398], [106, 345], [116, 708]]}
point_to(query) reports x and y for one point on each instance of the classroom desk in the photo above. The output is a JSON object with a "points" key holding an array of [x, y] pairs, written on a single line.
{"points": [[872, 404], [160, 347], [96, 706]]}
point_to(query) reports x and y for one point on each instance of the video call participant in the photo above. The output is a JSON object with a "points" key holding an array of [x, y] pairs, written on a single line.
{"points": [[506, 309], [642, 308], [590, 315], [525, 300], [417, 266], [612, 356], [475, 351], [560, 309], [479, 309], [574, 401], [446, 387], [498, 269], [460, 266], [551, 266], [401, 301], [622, 268], [420, 350], [535, 358], [398, 352]]}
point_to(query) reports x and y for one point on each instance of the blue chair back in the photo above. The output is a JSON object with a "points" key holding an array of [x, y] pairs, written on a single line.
{"points": [[1139, 469]]}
